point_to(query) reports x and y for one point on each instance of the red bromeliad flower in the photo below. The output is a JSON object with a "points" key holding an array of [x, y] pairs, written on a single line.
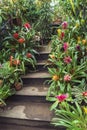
{"points": [[64, 25], [65, 46], [21, 40], [67, 59], [62, 35], [84, 93], [28, 55], [62, 97], [27, 25], [16, 35], [67, 78]]}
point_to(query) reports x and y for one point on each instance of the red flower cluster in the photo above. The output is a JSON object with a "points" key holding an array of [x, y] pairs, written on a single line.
{"points": [[65, 46], [64, 25], [67, 78], [16, 35], [21, 40], [62, 97], [27, 25], [84, 93], [62, 35], [29, 55], [67, 59]]}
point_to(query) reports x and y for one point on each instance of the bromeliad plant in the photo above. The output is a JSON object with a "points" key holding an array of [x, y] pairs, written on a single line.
{"points": [[68, 89], [73, 117], [69, 60]]}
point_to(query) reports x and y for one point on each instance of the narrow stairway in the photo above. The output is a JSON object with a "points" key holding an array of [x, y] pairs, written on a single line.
{"points": [[28, 109]]}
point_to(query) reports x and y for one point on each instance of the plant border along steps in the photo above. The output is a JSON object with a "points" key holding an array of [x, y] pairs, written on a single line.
{"points": [[28, 109], [68, 85]]}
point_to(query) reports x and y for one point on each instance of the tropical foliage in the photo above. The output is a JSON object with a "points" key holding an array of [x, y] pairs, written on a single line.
{"points": [[17, 42], [68, 89]]}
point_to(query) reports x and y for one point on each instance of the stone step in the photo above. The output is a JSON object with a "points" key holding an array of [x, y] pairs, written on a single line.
{"points": [[27, 111], [33, 90], [26, 115], [36, 77], [42, 65], [44, 48], [43, 62], [42, 56], [43, 52], [35, 93]]}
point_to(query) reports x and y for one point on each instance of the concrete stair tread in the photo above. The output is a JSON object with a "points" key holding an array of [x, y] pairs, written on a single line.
{"points": [[40, 75], [42, 62], [45, 48], [33, 90], [27, 110], [44, 52]]}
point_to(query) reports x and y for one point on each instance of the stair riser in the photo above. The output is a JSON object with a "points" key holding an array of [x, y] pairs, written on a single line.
{"points": [[15, 127], [25, 98], [15, 124], [38, 81], [41, 68], [37, 68], [43, 56]]}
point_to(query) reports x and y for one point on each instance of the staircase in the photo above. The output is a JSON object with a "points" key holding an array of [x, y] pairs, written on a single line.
{"points": [[28, 109]]}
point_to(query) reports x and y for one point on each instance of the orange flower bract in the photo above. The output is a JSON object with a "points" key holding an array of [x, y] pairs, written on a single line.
{"points": [[55, 77], [16, 62], [28, 55], [84, 41], [21, 40], [52, 56]]}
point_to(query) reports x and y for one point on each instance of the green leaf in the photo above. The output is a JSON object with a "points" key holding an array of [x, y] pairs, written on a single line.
{"points": [[11, 81], [78, 108], [0, 19], [55, 104], [51, 98]]}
